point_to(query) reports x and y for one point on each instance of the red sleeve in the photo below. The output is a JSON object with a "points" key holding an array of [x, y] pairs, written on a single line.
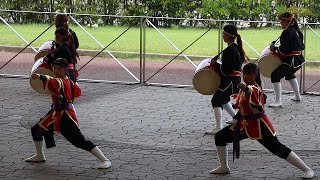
{"points": [[77, 90], [53, 85], [255, 96], [238, 99]]}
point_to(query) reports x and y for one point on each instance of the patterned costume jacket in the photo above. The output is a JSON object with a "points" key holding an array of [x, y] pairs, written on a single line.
{"points": [[62, 93], [251, 109]]}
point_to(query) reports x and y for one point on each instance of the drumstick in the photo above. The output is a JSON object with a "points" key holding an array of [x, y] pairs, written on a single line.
{"points": [[274, 42], [256, 60], [216, 57]]}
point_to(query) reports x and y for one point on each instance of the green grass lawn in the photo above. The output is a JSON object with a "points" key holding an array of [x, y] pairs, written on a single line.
{"points": [[155, 43]]}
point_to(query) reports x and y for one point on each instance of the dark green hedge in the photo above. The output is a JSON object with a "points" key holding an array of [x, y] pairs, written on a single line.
{"points": [[213, 9]]}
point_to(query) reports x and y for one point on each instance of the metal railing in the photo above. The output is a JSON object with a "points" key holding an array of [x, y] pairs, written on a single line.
{"points": [[144, 23]]}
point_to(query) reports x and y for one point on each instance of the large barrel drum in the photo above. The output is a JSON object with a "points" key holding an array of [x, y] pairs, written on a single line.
{"points": [[206, 79]]}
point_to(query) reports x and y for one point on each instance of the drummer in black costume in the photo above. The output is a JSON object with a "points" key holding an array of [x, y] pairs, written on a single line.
{"points": [[231, 62], [290, 52], [62, 49], [62, 20]]}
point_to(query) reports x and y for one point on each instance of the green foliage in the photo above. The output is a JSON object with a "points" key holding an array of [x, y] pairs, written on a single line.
{"points": [[182, 37], [253, 10]]}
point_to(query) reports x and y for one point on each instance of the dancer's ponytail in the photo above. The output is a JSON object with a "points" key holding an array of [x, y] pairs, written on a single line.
{"points": [[240, 47], [292, 22]]}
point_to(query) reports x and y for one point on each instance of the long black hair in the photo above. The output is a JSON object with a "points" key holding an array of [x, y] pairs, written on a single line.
{"points": [[292, 21], [233, 32], [64, 32], [61, 21]]}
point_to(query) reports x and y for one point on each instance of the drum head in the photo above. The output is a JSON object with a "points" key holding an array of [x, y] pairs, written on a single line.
{"points": [[268, 64], [206, 81], [203, 63], [45, 46], [37, 84], [44, 50], [40, 68]]}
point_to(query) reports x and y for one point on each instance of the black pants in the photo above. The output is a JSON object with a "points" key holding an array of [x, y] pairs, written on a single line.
{"points": [[269, 141], [283, 71], [227, 88], [220, 98], [68, 129]]}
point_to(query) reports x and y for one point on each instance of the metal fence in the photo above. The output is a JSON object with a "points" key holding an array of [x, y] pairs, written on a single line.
{"points": [[172, 66]]}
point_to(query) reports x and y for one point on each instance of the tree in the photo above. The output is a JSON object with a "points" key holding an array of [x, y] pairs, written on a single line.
{"points": [[254, 10]]}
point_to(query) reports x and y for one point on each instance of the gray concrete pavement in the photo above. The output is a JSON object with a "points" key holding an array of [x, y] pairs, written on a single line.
{"points": [[148, 133]]}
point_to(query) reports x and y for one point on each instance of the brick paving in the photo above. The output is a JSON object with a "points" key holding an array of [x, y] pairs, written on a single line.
{"points": [[148, 132]]}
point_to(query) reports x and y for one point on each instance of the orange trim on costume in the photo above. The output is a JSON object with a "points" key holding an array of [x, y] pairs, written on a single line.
{"points": [[60, 82], [235, 73], [72, 119], [250, 99], [233, 126], [62, 87], [259, 129], [292, 53], [273, 132], [46, 83], [43, 120]]}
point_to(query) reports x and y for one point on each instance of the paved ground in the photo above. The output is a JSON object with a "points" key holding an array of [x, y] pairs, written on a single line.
{"points": [[148, 133]]}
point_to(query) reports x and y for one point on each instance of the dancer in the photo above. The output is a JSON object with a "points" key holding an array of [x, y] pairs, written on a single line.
{"points": [[62, 49], [62, 20], [231, 62], [253, 123], [62, 117], [291, 45]]}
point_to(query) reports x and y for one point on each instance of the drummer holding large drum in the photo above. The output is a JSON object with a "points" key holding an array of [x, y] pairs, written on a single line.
{"points": [[63, 49], [290, 52], [232, 59], [62, 20], [64, 46]]}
